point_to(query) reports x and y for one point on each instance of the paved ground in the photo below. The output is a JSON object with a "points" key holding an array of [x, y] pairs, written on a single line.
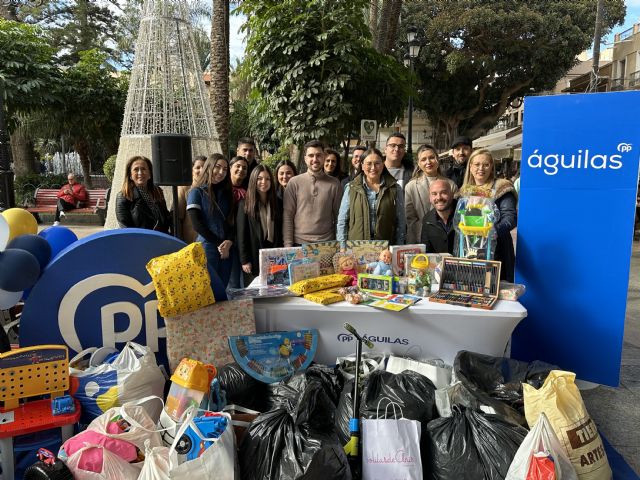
{"points": [[616, 411]]}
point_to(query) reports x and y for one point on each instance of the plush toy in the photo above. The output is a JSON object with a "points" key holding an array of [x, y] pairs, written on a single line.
{"points": [[383, 265], [348, 267]]}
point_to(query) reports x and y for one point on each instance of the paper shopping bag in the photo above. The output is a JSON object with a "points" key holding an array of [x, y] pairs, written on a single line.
{"points": [[560, 400], [391, 449]]}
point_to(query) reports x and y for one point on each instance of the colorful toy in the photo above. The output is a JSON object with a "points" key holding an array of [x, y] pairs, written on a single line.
{"points": [[190, 383], [419, 279], [382, 266], [271, 357], [62, 405], [375, 283], [347, 266], [474, 223]]}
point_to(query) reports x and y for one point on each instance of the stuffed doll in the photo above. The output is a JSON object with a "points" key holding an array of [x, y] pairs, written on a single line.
{"points": [[348, 267], [383, 265]]}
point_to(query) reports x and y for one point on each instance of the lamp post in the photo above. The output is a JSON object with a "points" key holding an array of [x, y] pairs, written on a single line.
{"points": [[414, 50]]}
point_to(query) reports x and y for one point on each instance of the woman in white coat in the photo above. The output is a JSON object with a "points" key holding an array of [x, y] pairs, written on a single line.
{"points": [[416, 192]]}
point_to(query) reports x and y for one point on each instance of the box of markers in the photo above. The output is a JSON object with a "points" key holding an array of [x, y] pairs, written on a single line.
{"points": [[469, 283]]}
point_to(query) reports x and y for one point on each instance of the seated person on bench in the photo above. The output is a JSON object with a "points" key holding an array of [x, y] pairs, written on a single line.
{"points": [[72, 195]]}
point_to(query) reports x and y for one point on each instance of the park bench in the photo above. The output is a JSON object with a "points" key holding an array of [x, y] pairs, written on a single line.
{"points": [[45, 201]]}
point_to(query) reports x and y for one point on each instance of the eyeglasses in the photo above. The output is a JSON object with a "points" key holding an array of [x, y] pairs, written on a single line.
{"points": [[394, 146]]}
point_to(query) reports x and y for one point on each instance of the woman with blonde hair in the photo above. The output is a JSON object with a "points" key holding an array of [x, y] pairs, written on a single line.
{"points": [[416, 192], [141, 204], [480, 180]]}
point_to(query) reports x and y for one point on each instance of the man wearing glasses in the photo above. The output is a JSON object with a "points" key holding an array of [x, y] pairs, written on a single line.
{"points": [[399, 167], [311, 201]]}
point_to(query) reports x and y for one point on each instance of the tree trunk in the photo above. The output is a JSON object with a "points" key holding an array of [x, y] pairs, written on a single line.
{"points": [[219, 92], [82, 147], [383, 24], [392, 29], [24, 158], [373, 20], [8, 11]]}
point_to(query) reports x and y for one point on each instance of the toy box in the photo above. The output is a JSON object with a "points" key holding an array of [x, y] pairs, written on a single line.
{"points": [[470, 283]]}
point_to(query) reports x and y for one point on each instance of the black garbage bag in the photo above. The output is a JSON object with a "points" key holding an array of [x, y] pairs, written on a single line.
{"points": [[286, 393], [496, 382], [241, 388], [414, 392], [344, 412], [329, 463], [472, 445], [282, 443]]}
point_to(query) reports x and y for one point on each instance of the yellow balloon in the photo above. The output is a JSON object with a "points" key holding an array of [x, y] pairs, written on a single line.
{"points": [[20, 222]]}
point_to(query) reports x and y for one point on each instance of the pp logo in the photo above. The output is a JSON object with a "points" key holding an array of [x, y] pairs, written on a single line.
{"points": [[108, 312], [624, 147], [345, 337]]}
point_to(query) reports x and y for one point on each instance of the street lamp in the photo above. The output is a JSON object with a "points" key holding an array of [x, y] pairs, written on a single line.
{"points": [[414, 50]]}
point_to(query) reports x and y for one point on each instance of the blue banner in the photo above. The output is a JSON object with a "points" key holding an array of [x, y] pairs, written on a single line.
{"points": [[579, 177], [98, 293]]}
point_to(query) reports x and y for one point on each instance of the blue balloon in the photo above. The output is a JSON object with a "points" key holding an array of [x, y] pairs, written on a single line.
{"points": [[59, 238], [19, 270], [35, 245]]}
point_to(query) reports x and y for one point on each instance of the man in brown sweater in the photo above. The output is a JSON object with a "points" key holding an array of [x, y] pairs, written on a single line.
{"points": [[311, 201]]}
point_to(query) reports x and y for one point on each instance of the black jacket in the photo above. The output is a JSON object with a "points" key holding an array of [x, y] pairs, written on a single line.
{"points": [[137, 214], [456, 173], [251, 238], [434, 236]]}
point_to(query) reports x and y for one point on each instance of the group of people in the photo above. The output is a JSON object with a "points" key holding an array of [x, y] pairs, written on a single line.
{"points": [[238, 207]]}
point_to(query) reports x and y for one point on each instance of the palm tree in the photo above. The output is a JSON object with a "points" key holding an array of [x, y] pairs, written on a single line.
{"points": [[219, 68]]}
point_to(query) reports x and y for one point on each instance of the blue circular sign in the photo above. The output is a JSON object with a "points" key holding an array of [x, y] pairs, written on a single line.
{"points": [[97, 292]]}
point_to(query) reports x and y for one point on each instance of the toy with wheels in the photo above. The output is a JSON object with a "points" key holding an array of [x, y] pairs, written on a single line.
{"points": [[474, 224], [48, 467]]}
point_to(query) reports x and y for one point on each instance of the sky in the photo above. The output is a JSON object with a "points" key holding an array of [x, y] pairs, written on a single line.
{"points": [[237, 45]]}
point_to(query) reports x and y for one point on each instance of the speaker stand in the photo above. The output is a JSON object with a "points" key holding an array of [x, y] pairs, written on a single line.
{"points": [[174, 192]]}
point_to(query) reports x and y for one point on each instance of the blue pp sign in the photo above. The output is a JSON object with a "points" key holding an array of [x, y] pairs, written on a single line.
{"points": [[579, 176], [98, 292]]}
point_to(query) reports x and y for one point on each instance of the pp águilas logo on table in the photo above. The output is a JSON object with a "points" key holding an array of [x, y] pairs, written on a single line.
{"points": [[552, 163], [108, 312]]}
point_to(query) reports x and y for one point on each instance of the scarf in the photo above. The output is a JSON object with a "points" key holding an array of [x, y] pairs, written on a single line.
{"points": [[266, 222], [153, 206]]}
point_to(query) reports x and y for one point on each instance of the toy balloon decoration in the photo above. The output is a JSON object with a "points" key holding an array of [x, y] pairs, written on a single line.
{"points": [[35, 245], [4, 232], [59, 238], [18, 270], [9, 299], [20, 222]]}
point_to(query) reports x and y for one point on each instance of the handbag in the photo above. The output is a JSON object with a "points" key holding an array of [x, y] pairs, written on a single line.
{"points": [[181, 280], [391, 447]]}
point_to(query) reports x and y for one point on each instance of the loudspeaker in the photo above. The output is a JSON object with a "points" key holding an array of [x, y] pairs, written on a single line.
{"points": [[171, 158]]}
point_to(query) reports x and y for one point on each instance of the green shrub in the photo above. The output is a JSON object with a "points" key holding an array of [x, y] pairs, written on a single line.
{"points": [[109, 167], [25, 185], [273, 160]]}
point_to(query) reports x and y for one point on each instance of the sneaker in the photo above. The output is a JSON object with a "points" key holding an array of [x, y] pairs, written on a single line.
{"points": [[55, 224]]}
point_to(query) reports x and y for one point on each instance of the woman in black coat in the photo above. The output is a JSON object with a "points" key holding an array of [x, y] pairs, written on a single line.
{"points": [[140, 204], [259, 221]]}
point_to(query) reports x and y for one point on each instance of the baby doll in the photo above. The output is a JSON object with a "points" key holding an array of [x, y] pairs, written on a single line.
{"points": [[383, 265], [348, 267]]}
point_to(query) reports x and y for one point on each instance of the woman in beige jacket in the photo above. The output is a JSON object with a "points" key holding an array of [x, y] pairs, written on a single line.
{"points": [[416, 192]]}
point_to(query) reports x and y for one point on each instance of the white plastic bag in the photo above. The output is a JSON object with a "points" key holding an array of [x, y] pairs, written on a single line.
{"points": [[132, 375], [142, 426], [218, 460], [541, 438], [440, 375], [113, 467], [156, 463], [391, 447]]}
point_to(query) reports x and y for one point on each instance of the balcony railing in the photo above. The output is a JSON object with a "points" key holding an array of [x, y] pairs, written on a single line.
{"points": [[617, 84], [634, 79]]}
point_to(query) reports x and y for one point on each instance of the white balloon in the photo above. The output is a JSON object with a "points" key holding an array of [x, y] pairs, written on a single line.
{"points": [[9, 299], [4, 233]]}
